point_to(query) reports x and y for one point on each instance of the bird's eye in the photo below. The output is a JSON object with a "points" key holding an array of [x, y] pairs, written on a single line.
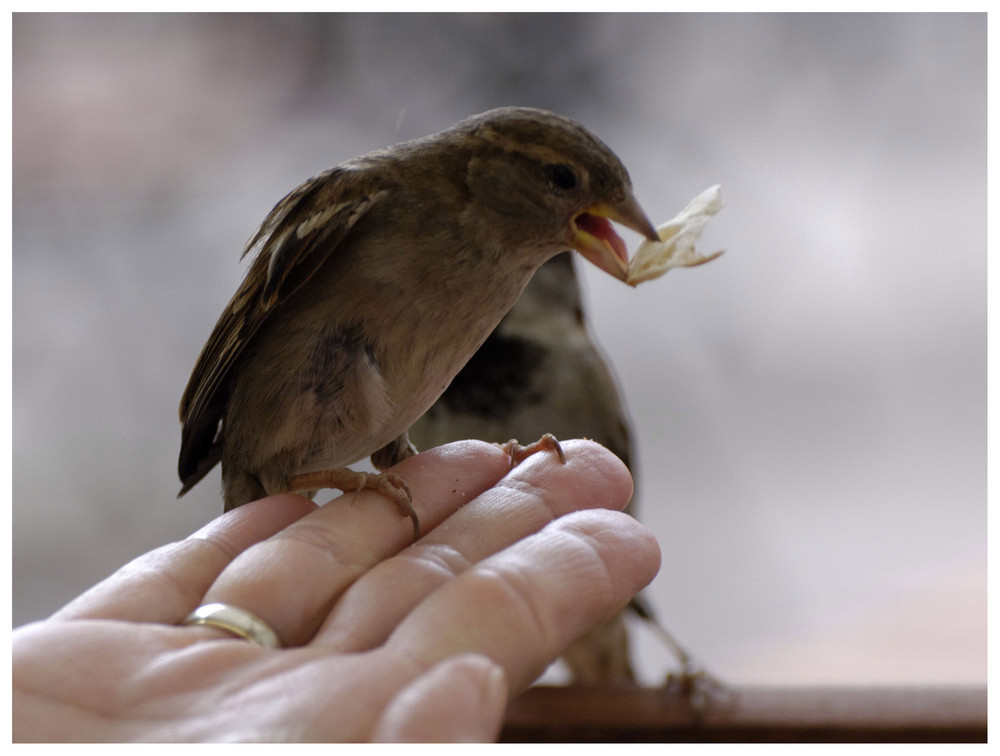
{"points": [[562, 176]]}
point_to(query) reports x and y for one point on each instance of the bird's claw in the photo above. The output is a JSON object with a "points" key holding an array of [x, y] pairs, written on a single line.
{"points": [[518, 452], [698, 686], [386, 483]]}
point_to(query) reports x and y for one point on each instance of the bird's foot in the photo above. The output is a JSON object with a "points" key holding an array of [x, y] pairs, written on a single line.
{"points": [[346, 479], [692, 681], [518, 453], [702, 689]]}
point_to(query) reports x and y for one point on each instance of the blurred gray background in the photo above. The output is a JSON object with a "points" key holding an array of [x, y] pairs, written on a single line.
{"points": [[810, 409]]}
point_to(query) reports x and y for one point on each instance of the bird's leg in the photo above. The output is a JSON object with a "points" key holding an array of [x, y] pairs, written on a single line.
{"points": [[693, 681], [346, 479], [519, 453]]}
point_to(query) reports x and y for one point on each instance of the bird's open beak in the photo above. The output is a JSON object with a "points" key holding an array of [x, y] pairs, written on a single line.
{"points": [[594, 237]]}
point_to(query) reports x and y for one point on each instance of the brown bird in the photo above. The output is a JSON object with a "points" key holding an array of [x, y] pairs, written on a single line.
{"points": [[373, 284], [541, 372]]}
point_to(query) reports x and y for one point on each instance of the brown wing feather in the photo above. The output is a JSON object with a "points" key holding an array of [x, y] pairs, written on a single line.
{"points": [[295, 239]]}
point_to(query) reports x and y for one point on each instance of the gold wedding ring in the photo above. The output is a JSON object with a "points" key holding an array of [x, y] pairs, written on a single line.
{"points": [[239, 622]]}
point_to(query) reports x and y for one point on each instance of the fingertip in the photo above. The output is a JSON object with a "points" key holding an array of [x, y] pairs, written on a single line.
{"points": [[607, 467], [591, 478], [488, 461], [484, 678], [621, 539]]}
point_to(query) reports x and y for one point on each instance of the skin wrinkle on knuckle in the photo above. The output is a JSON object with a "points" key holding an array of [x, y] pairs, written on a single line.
{"points": [[219, 541], [439, 559], [342, 553], [422, 564], [513, 588], [528, 493], [581, 560], [183, 670], [600, 571], [168, 575], [188, 594]]}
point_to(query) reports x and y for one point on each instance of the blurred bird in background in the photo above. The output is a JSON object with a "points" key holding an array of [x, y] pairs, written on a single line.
{"points": [[541, 372]]}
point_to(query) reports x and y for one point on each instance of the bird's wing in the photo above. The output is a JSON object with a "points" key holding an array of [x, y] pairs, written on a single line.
{"points": [[295, 239]]}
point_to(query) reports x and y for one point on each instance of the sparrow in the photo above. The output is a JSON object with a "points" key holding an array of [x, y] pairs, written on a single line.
{"points": [[539, 372], [373, 283], [542, 371]]}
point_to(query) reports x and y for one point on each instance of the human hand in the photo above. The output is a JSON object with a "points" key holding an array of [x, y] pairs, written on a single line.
{"points": [[384, 639]]}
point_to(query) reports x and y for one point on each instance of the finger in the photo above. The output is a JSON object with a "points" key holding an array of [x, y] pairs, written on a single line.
{"points": [[164, 585], [523, 606], [292, 580], [533, 494], [459, 700]]}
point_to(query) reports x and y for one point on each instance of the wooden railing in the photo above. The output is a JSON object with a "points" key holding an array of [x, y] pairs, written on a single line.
{"points": [[749, 714]]}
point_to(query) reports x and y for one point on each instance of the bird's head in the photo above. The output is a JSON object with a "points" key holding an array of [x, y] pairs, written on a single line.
{"points": [[543, 181]]}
